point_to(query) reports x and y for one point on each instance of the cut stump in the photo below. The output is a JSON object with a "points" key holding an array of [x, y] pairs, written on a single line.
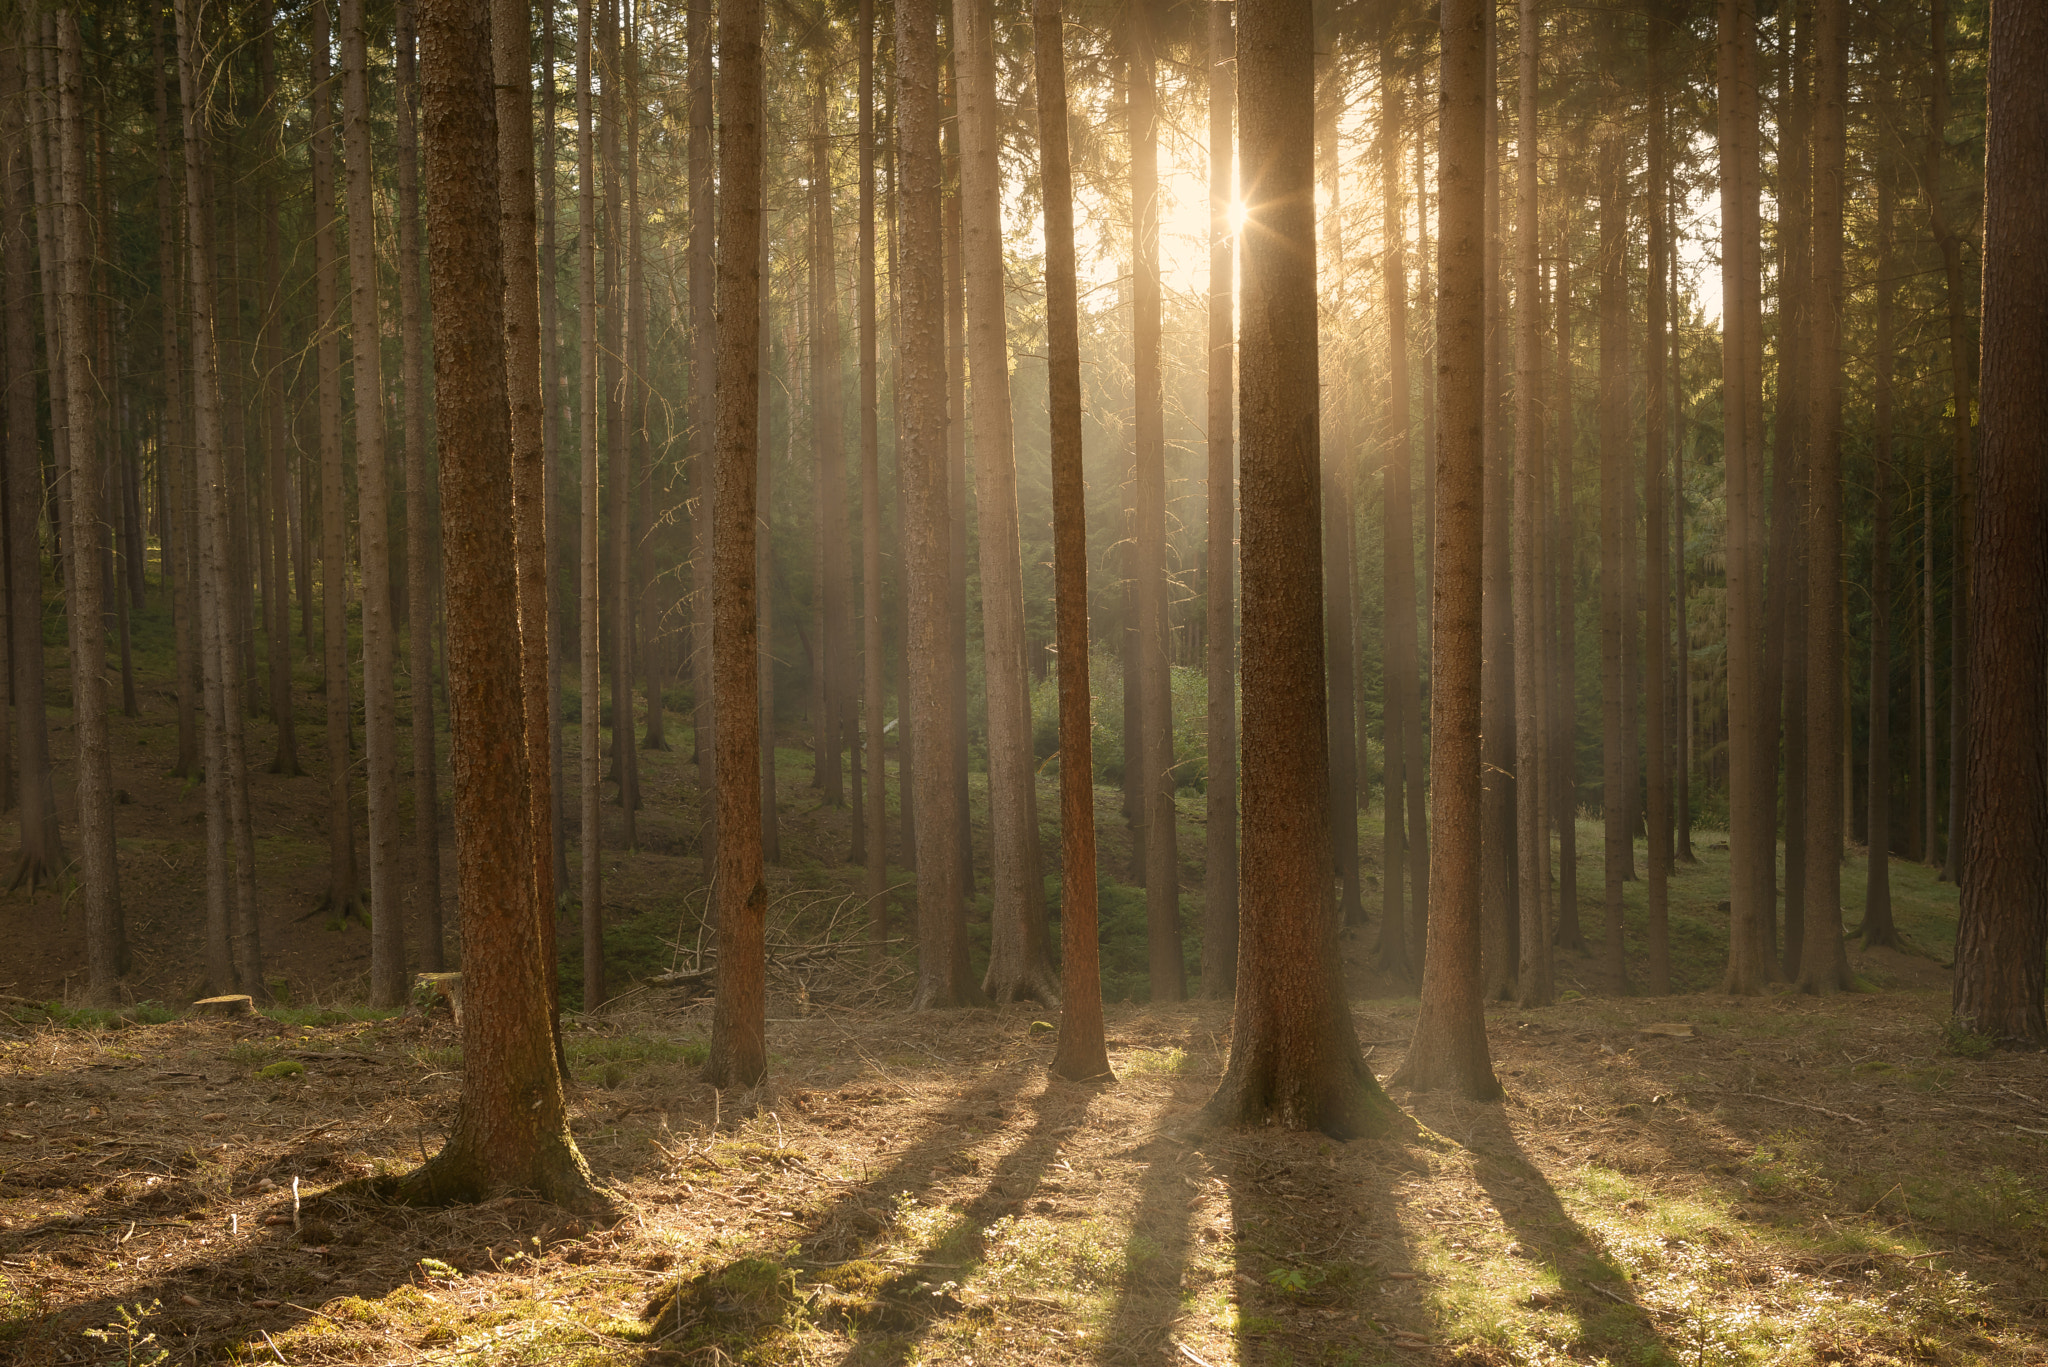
{"points": [[224, 1006]]}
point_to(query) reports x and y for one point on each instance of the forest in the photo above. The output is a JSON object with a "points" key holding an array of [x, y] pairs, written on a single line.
{"points": [[1117, 681]]}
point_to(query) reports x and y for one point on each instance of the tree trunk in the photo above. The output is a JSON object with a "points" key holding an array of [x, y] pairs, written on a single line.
{"points": [[1219, 878], [703, 402], [1449, 1048], [1338, 592], [389, 982], [1497, 928], [1951, 244], [426, 806], [1020, 959], [618, 455], [956, 471], [1752, 846], [1878, 926], [1682, 673], [1532, 834], [1656, 631], [1081, 1051], [511, 1126], [1401, 695], [1294, 1053], [512, 61], [343, 898], [648, 656], [1564, 745], [2000, 934], [739, 1055], [828, 440], [277, 605], [41, 849], [1824, 966], [1614, 318], [874, 704], [1165, 960], [921, 405], [106, 943], [591, 717]]}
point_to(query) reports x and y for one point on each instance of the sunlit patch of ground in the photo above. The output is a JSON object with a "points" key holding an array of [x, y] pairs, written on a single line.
{"points": [[1795, 1181]]}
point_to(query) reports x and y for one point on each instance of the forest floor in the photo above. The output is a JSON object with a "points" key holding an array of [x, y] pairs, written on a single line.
{"points": [[1688, 1180]]}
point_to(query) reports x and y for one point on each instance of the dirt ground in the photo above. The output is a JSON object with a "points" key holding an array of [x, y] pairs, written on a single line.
{"points": [[1775, 1180]]}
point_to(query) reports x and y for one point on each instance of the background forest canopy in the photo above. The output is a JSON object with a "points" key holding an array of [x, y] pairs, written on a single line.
{"points": [[300, 378]]}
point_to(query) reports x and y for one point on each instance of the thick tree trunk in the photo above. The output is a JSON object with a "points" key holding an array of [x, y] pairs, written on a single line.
{"points": [[1449, 1048], [1824, 966], [739, 1055], [1294, 1053], [561, 545], [1081, 1051], [2004, 920], [956, 470], [1533, 978], [106, 944], [943, 978], [511, 1127], [1219, 878], [1020, 959]]}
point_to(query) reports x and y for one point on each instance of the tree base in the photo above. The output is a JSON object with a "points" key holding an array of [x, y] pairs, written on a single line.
{"points": [[453, 1177], [1348, 1105], [34, 870]]}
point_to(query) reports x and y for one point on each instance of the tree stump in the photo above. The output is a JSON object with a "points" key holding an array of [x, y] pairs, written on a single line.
{"points": [[224, 1006], [429, 986]]}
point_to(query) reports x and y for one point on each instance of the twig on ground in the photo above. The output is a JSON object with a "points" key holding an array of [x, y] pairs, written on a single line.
{"points": [[1802, 1105]]}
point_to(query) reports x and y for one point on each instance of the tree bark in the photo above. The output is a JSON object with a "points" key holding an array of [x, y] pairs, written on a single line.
{"points": [[1533, 978], [1449, 1047], [41, 848], [1614, 318], [1219, 879], [590, 741], [106, 942], [1401, 696], [1656, 630], [874, 704], [1878, 926], [389, 982], [419, 579], [1081, 1051], [943, 978], [1564, 746], [277, 603], [1964, 542], [1752, 845], [343, 898], [703, 401], [1020, 959], [828, 439], [1824, 966], [511, 1126], [2004, 919], [1154, 750], [512, 62], [1498, 951], [1294, 1053]]}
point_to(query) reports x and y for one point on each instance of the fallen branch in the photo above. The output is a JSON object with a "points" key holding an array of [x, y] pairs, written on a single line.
{"points": [[1802, 1105]]}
